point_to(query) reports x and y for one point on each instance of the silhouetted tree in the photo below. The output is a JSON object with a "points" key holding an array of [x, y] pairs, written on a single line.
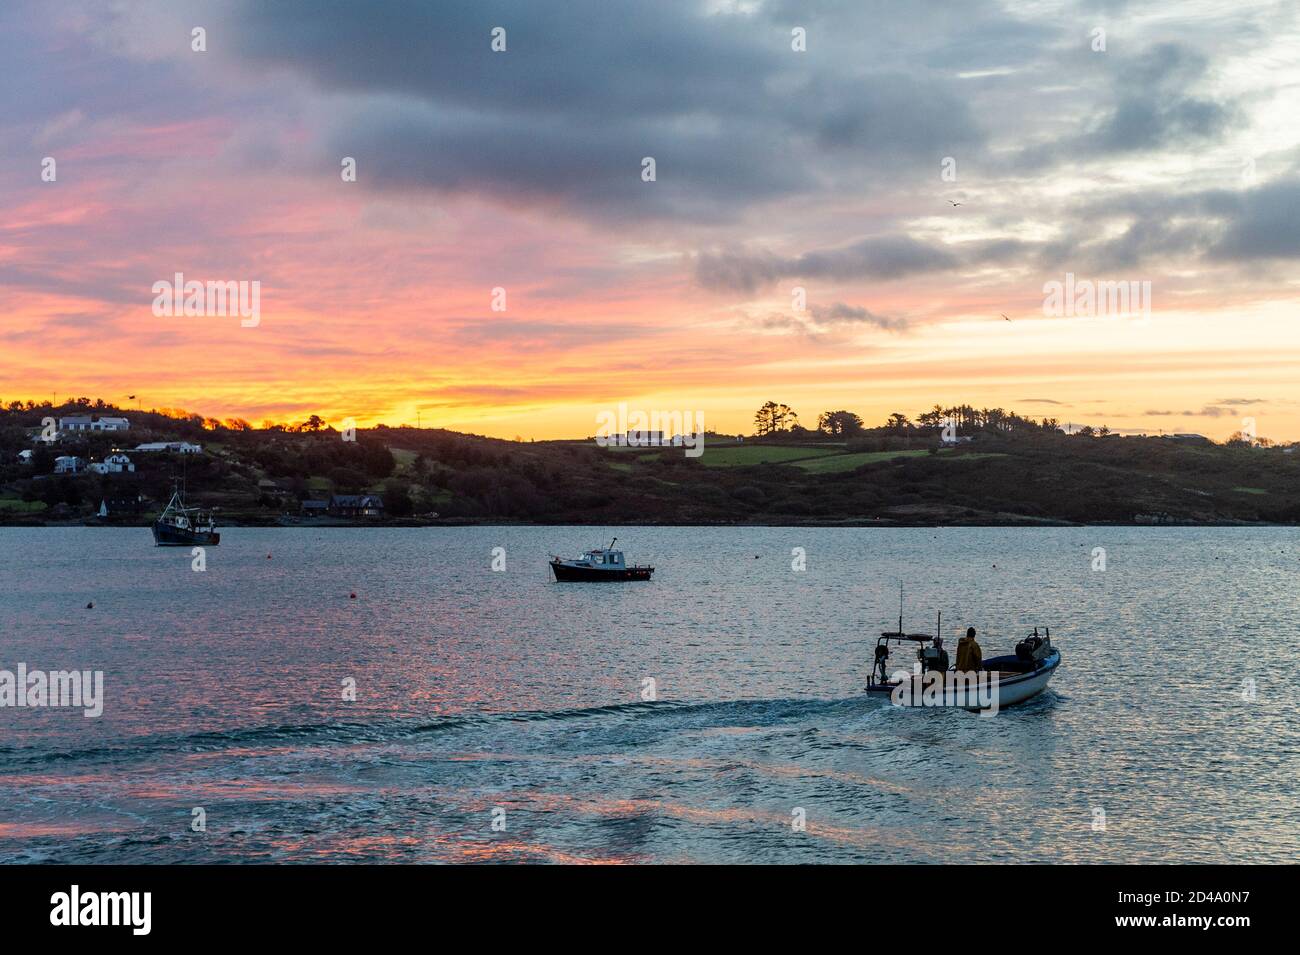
{"points": [[839, 423]]}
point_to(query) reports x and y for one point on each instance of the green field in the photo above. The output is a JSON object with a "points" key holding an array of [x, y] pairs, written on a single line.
{"points": [[18, 506], [847, 462], [1250, 490], [404, 460], [744, 455]]}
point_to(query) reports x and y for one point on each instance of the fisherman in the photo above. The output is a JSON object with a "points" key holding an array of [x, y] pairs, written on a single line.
{"points": [[969, 656], [941, 661]]}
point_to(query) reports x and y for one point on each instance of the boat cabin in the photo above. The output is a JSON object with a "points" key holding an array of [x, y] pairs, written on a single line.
{"points": [[602, 557]]}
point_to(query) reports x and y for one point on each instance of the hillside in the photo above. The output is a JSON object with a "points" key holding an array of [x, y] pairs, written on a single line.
{"points": [[879, 476]]}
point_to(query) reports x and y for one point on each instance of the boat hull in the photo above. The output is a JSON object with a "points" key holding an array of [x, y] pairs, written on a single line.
{"points": [[166, 535], [567, 573], [1012, 688], [1024, 686]]}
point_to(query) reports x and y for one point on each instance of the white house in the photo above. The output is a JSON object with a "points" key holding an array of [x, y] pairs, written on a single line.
{"points": [[25, 456], [86, 423], [68, 464], [180, 447], [956, 439], [115, 463]]}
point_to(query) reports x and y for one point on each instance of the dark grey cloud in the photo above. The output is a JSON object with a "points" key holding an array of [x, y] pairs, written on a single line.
{"points": [[1261, 223], [1258, 223], [1209, 411], [880, 258], [1158, 98], [732, 116], [1155, 106], [547, 335], [839, 313], [832, 322]]}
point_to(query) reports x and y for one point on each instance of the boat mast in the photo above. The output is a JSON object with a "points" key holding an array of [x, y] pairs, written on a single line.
{"points": [[900, 607]]}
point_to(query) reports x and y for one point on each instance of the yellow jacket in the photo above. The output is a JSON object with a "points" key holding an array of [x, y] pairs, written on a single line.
{"points": [[969, 655]]}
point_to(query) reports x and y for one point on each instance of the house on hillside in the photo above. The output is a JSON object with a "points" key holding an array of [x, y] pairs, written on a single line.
{"points": [[87, 423], [69, 464], [25, 456], [356, 505], [115, 463], [313, 508], [179, 447]]}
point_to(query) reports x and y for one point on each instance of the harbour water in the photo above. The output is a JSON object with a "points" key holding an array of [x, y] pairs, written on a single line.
{"points": [[499, 716]]}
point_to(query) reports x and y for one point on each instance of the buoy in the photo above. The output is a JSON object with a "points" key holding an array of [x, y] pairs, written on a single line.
{"points": [[352, 596], [91, 605], [268, 556]]}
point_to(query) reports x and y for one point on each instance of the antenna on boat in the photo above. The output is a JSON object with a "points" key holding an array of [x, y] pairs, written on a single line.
{"points": [[612, 543], [900, 606]]}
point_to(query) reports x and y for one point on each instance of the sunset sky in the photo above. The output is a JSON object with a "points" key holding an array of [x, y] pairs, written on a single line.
{"points": [[1171, 156]]}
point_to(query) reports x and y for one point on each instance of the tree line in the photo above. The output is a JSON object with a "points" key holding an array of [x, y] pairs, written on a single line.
{"points": [[774, 417]]}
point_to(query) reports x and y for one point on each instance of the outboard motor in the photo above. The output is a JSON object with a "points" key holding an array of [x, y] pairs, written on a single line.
{"points": [[934, 658], [1034, 649]]}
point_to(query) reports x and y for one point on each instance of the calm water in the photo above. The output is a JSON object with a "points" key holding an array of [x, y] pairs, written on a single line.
{"points": [[478, 691]]}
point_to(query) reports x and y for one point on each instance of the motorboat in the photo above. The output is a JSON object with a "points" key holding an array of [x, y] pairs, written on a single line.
{"points": [[1006, 680], [603, 564]]}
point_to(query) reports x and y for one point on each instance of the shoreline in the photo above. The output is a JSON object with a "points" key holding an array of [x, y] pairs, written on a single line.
{"points": [[458, 522]]}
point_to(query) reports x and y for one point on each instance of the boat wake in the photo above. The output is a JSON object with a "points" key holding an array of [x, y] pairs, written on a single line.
{"points": [[648, 715]]}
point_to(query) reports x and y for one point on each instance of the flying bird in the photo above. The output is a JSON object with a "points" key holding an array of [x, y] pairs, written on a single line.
{"points": [[1004, 315], [954, 203]]}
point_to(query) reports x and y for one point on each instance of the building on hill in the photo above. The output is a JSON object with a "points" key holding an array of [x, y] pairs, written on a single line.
{"points": [[87, 423], [69, 464], [115, 463], [356, 505], [313, 508], [180, 447]]}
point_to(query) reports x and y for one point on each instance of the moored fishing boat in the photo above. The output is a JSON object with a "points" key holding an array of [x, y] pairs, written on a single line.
{"points": [[181, 526], [604, 564]]}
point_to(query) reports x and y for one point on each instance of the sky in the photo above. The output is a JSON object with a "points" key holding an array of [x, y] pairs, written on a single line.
{"points": [[854, 205]]}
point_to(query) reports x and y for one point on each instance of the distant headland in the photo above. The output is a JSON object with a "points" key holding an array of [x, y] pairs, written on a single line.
{"points": [[90, 462]]}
